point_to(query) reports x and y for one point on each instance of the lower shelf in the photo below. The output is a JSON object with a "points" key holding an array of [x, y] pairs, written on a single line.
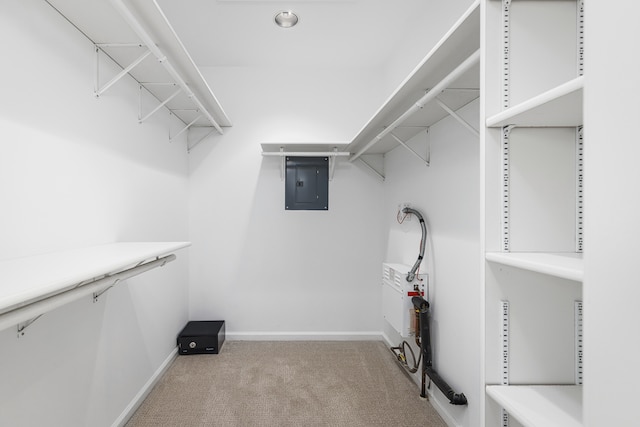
{"points": [[541, 405]]}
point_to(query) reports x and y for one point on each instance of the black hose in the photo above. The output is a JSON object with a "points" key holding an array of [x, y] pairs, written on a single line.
{"points": [[412, 273], [427, 365]]}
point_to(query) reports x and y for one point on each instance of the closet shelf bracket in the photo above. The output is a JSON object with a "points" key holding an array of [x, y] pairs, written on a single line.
{"points": [[457, 116], [159, 106], [100, 90], [22, 327], [171, 138], [372, 169], [425, 159]]}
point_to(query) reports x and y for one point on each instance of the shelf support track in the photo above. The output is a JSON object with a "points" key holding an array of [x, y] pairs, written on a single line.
{"points": [[100, 90], [579, 341], [506, 48], [506, 131], [504, 308], [579, 190]]}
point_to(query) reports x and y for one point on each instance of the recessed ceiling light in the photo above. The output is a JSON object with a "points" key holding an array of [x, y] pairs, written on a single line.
{"points": [[286, 19]]}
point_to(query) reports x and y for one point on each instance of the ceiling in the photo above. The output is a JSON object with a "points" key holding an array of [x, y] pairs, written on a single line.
{"points": [[332, 33]]}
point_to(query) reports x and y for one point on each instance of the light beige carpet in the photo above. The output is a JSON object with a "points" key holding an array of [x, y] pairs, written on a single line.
{"points": [[287, 384]]}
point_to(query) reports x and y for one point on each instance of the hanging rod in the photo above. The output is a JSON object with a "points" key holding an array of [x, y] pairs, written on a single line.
{"points": [[35, 309], [465, 66], [151, 45]]}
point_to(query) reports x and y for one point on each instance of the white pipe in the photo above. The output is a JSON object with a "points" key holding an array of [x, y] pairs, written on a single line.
{"points": [[149, 42], [305, 153], [35, 309], [465, 66]]}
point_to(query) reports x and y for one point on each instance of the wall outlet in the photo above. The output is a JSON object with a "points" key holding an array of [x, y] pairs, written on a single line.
{"points": [[403, 205]]}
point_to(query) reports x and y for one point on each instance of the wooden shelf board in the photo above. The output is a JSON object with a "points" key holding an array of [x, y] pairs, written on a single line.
{"points": [[29, 279], [541, 405], [565, 265], [558, 107]]}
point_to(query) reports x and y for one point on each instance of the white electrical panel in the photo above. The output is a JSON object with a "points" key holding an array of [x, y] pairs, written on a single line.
{"points": [[397, 308]]}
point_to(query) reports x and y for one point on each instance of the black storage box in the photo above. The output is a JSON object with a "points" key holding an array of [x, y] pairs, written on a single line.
{"points": [[201, 337]]}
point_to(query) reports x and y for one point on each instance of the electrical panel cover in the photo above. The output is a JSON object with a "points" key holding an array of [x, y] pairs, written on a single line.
{"points": [[307, 183]]}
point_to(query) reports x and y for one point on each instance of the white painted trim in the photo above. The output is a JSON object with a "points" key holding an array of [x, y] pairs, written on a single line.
{"points": [[305, 336], [137, 400]]}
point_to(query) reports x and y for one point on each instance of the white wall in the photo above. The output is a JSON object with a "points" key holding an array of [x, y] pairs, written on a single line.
{"points": [[266, 271], [427, 27], [76, 171], [447, 195], [612, 199]]}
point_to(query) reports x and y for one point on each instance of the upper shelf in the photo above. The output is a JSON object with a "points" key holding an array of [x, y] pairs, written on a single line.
{"points": [[112, 23], [31, 279], [458, 44], [558, 107], [564, 265], [282, 148]]}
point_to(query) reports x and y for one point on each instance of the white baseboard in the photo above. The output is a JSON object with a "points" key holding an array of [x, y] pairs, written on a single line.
{"points": [[144, 391], [304, 336]]}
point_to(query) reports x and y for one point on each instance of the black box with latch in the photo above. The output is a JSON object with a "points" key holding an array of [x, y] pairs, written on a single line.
{"points": [[201, 337]]}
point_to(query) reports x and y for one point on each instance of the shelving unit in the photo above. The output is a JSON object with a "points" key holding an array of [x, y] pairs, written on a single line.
{"points": [[533, 212], [445, 80], [32, 286], [136, 35]]}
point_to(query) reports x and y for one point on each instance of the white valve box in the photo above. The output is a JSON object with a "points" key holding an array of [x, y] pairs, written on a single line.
{"points": [[397, 308]]}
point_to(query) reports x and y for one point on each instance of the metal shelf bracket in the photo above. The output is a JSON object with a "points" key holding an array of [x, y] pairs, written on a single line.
{"points": [[457, 116], [425, 159], [22, 327], [98, 47], [159, 106]]}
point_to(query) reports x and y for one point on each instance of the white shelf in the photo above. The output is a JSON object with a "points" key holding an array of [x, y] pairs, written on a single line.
{"points": [[565, 265], [558, 107], [102, 24], [541, 406], [28, 280], [273, 148], [461, 41]]}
